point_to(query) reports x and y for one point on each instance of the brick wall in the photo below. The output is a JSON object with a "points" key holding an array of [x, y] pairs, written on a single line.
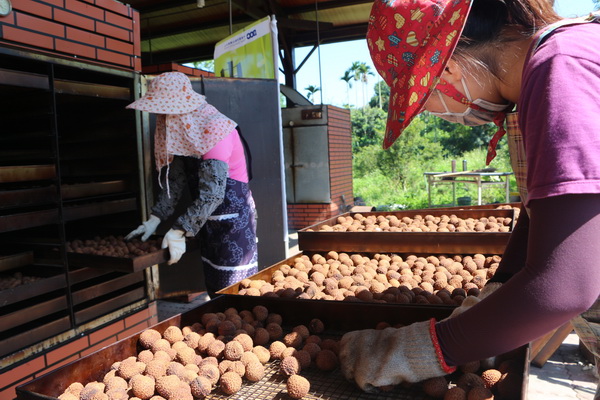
{"points": [[57, 356], [170, 67], [339, 132], [99, 31]]}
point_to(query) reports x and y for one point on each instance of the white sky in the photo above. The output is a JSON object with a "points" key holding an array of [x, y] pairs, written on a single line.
{"points": [[337, 58]]}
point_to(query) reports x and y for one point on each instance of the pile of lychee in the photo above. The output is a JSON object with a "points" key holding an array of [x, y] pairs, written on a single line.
{"points": [[417, 223], [384, 278], [9, 281], [497, 378], [114, 246], [217, 354]]}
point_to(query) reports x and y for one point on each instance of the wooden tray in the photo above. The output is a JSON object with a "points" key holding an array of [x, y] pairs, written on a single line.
{"points": [[338, 318], [311, 239], [124, 264]]}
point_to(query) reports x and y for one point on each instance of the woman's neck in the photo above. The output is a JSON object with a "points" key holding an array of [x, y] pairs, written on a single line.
{"points": [[512, 60]]}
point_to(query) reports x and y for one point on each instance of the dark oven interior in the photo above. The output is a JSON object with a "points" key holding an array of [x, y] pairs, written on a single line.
{"points": [[69, 169]]}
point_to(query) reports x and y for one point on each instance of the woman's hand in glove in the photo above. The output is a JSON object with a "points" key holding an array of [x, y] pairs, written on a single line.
{"points": [[146, 229], [470, 301], [174, 239], [376, 359]]}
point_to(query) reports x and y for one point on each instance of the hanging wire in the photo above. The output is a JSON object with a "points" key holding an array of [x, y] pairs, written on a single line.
{"points": [[319, 48], [230, 18]]}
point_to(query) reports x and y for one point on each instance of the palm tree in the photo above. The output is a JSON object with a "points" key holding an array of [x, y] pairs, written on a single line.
{"points": [[348, 76], [354, 70], [597, 5], [311, 91], [364, 71]]}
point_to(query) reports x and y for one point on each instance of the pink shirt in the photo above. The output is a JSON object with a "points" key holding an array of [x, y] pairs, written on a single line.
{"points": [[231, 150], [559, 112]]}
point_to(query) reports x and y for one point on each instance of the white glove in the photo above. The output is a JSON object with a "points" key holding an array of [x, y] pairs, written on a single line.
{"points": [[470, 301], [145, 229], [377, 359], [175, 241]]}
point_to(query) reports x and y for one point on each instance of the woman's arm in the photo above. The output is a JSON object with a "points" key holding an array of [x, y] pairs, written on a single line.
{"points": [[559, 280], [515, 253], [173, 185]]}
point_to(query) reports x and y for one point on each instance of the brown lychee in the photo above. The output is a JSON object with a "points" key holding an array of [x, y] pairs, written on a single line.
{"points": [[167, 385], [254, 371], [289, 365], [297, 386], [455, 393], [276, 348], [468, 381], [148, 337], [173, 334], [201, 387], [230, 382], [491, 377], [263, 354], [142, 386], [326, 360], [233, 350], [435, 387]]}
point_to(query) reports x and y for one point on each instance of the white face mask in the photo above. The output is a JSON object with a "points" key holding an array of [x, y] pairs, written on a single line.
{"points": [[471, 116]]}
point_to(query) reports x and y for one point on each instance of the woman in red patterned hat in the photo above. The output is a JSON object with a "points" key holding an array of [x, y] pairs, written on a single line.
{"points": [[480, 61], [197, 148]]}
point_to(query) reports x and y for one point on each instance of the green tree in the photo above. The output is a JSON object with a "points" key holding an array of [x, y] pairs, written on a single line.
{"points": [[208, 65], [381, 98], [597, 5], [348, 76], [364, 71], [368, 125], [311, 90]]}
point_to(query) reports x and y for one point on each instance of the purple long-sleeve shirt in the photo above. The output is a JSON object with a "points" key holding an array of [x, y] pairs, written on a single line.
{"points": [[551, 265]]}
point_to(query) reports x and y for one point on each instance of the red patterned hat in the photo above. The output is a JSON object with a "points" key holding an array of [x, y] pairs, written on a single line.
{"points": [[410, 42]]}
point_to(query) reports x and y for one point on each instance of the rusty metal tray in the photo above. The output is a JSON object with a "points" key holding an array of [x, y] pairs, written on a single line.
{"points": [[15, 260], [124, 264], [52, 279], [23, 173], [338, 318], [95, 209], [28, 197], [78, 190], [267, 273], [26, 220], [312, 239]]}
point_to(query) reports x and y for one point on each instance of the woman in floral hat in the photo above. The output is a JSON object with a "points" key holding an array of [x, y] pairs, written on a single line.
{"points": [[198, 147], [474, 62]]}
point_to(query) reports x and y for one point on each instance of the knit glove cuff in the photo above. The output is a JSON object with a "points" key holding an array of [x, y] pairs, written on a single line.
{"points": [[376, 359]]}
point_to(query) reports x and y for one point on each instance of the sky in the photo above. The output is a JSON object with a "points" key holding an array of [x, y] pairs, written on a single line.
{"points": [[337, 58]]}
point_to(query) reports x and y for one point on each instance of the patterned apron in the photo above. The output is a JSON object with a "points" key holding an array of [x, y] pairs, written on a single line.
{"points": [[586, 325], [228, 239]]}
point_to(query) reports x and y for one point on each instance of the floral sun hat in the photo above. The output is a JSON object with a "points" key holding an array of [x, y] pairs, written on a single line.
{"points": [[169, 93], [410, 42]]}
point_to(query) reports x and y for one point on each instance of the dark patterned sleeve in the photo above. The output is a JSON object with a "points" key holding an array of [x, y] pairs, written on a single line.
{"points": [[170, 193], [212, 179]]}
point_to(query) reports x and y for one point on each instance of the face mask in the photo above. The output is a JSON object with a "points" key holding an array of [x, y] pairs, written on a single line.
{"points": [[479, 111]]}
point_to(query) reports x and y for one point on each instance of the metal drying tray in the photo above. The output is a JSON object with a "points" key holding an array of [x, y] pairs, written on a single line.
{"points": [[338, 318], [125, 264], [311, 238]]}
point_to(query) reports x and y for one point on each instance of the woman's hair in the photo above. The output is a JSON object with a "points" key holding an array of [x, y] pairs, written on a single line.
{"points": [[494, 22]]}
